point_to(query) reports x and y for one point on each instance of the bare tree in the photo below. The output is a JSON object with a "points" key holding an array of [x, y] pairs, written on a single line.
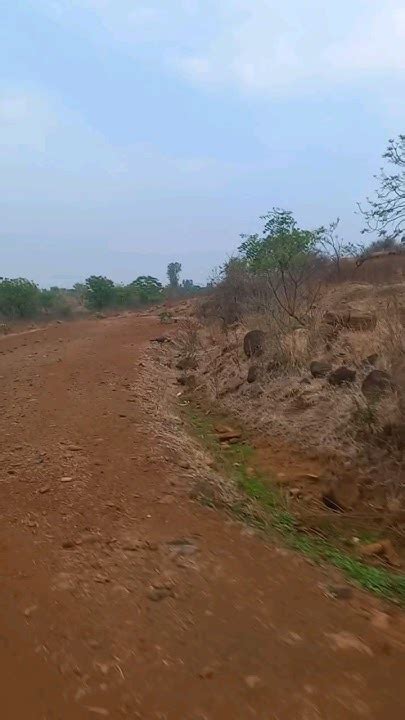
{"points": [[335, 248], [385, 213]]}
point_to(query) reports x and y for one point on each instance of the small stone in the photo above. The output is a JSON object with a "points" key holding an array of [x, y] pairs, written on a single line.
{"points": [[320, 368], [131, 544], [44, 489], [294, 492], [252, 681], [253, 343], [371, 359], [156, 594], [253, 373], [376, 384], [184, 465], [342, 493], [346, 641], [383, 548], [229, 434], [66, 479], [68, 544], [341, 592], [101, 579], [182, 547], [103, 712], [30, 610], [380, 620], [206, 673]]}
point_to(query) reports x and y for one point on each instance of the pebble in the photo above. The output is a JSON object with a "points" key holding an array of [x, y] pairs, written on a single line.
{"points": [[29, 611], [98, 711], [159, 593], [341, 592], [67, 544], [252, 681]]}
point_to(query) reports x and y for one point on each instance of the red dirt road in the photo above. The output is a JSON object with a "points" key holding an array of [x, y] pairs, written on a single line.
{"points": [[121, 597]]}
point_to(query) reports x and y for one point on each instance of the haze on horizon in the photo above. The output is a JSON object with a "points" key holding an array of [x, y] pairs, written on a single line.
{"points": [[136, 133]]}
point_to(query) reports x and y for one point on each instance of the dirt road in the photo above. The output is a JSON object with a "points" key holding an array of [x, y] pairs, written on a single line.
{"points": [[121, 597]]}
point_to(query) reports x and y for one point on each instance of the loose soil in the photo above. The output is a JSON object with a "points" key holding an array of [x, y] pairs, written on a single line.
{"points": [[123, 597]]}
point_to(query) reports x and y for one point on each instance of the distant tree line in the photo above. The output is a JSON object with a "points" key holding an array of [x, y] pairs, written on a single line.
{"points": [[21, 298]]}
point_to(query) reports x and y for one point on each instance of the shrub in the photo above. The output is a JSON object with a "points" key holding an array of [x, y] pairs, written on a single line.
{"points": [[19, 298], [56, 302]]}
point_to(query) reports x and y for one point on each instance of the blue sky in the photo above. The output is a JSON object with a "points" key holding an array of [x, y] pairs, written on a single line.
{"points": [[133, 133]]}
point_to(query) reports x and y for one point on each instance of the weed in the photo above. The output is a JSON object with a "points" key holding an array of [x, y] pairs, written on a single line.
{"points": [[270, 514]]}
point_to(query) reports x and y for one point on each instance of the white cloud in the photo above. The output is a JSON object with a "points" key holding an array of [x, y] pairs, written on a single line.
{"points": [[263, 46], [272, 47]]}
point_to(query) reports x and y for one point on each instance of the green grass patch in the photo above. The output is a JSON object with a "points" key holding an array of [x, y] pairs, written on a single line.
{"points": [[276, 517]]}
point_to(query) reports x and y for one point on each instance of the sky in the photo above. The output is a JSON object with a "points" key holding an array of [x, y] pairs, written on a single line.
{"points": [[135, 133]]}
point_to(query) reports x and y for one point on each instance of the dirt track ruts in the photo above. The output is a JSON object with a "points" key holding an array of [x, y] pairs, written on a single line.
{"points": [[101, 616]]}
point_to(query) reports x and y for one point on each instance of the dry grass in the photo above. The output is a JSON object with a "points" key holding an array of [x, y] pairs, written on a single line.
{"points": [[340, 423]]}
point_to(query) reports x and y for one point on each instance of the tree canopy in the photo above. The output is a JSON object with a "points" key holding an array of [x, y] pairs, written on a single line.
{"points": [[173, 274]]}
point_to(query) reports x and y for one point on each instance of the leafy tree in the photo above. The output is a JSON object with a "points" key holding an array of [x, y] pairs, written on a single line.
{"points": [[79, 292], [385, 213], [19, 298], [100, 292], [125, 296], [288, 258], [283, 244], [173, 273], [148, 288]]}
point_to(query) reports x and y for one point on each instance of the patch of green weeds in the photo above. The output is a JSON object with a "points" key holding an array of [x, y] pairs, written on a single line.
{"points": [[234, 461]]}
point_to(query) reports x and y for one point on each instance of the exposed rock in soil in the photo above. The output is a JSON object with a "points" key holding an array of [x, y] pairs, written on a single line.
{"points": [[377, 383], [252, 374], [227, 433], [320, 368], [370, 359], [341, 493], [253, 343], [342, 375], [384, 549]]}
